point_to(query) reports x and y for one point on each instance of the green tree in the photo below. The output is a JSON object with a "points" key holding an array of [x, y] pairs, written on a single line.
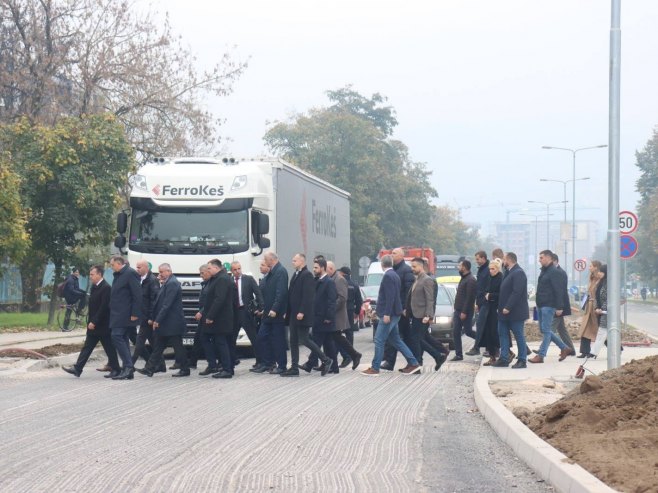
{"points": [[347, 144], [647, 233], [14, 240], [71, 174]]}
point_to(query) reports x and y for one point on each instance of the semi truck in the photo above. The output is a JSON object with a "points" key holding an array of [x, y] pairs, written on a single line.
{"points": [[186, 211]]}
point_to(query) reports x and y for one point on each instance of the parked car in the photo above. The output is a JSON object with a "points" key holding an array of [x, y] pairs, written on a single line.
{"points": [[441, 327]]}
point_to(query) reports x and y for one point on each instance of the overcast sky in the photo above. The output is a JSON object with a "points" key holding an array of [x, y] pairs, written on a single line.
{"points": [[478, 86]]}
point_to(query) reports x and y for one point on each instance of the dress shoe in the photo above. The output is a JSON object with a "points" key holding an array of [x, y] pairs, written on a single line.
{"points": [[161, 369], [255, 365], [386, 366], [370, 372], [567, 351], [208, 371], [334, 370], [326, 366], [144, 371], [490, 362], [112, 374], [174, 367], [306, 367], [442, 359], [345, 363], [473, 352], [236, 362], [104, 368], [127, 374], [486, 354], [290, 372], [356, 361], [72, 370], [182, 373], [519, 364], [317, 368], [223, 374], [457, 358], [411, 369], [581, 355], [501, 363], [276, 371], [261, 369], [536, 359]]}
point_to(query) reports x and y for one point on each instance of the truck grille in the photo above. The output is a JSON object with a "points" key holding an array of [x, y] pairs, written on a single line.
{"points": [[190, 308]]}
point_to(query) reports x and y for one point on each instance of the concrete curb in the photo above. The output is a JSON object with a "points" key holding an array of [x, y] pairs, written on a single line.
{"points": [[549, 463], [54, 362]]}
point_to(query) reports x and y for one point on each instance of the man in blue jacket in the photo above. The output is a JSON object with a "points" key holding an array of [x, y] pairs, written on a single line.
{"points": [[168, 324], [513, 311], [125, 311], [272, 334], [389, 309]]}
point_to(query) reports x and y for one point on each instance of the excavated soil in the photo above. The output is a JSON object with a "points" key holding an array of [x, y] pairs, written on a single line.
{"points": [[49, 351], [608, 425], [628, 335]]}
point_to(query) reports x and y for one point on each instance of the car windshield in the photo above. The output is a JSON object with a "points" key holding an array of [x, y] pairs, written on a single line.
{"points": [[371, 291], [443, 298], [185, 232], [374, 279], [447, 270]]}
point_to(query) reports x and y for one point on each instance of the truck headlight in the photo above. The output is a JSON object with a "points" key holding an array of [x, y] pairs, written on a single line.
{"points": [[138, 181], [442, 320], [239, 182]]}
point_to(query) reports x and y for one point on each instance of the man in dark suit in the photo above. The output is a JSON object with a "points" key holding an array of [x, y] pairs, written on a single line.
{"points": [[168, 324], [512, 312], [218, 327], [389, 309], [419, 307], [558, 320], [98, 329], [150, 289], [248, 300], [301, 298], [272, 334], [125, 311], [197, 348], [324, 318]]}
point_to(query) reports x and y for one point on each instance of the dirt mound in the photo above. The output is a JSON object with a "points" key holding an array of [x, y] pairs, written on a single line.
{"points": [[48, 351], [628, 335], [609, 425]]}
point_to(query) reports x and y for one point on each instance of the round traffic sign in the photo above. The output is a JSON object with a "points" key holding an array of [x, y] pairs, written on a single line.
{"points": [[628, 247], [628, 222], [364, 262], [580, 264]]}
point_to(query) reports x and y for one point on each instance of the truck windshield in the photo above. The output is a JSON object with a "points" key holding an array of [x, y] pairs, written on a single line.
{"points": [[189, 232]]}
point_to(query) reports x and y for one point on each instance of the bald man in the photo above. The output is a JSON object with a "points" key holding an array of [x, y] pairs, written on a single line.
{"points": [[150, 288]]}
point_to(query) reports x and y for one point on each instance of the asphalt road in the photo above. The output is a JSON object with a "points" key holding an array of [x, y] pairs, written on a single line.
{"points": [[643, 316], [341, 433]]}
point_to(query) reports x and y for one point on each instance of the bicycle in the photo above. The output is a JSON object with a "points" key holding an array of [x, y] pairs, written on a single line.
{"points": [[76, 317]]}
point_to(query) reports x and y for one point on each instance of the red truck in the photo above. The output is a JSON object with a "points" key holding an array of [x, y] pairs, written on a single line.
{"points": [[411, 251]]}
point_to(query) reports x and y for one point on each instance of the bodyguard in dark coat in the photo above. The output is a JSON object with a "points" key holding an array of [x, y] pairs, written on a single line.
{"points": [[98, 328], [197, 348], [558, 320], [168, 324], [248, 300], [513, 311], [272, 334], [462, 319], [150, 289], [481, 305], [324, 317], [218, 327], [125, 311], [301, 300]]}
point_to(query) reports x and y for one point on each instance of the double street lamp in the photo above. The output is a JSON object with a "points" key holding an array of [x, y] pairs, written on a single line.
{"points": [[573, 199], [564, 184], [548, 209]]}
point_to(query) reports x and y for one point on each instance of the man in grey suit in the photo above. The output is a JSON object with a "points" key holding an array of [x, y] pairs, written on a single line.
{"points": [[419, 307]]}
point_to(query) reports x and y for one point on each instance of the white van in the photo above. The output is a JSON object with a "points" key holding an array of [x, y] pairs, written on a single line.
{"points": [[375, 274]]}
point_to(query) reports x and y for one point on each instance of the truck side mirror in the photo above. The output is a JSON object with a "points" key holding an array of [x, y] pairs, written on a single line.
{"points": [[120, 242], [122, 222], [263, 224], [264, 242]]}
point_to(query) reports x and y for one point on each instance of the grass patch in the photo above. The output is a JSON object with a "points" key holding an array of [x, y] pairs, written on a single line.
{"points": [[14, 322]]}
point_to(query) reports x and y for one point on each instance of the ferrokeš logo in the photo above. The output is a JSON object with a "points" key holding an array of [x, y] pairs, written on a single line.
{"points": [[195, 191]]}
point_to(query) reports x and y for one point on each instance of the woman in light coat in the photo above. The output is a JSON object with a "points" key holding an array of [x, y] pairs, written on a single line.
{"points": [[589, 324]]}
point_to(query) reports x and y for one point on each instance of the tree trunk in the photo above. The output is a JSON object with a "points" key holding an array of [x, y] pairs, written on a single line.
{"points": [[32, 270], [54, 301]]}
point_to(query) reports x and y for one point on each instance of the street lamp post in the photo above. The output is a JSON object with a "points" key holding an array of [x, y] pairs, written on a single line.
{"points": [[548, 209], [564, 184], [536, 216], [573, 199]]}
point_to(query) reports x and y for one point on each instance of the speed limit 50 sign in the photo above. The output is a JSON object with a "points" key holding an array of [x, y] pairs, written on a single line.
{"points": [[627, 222]]}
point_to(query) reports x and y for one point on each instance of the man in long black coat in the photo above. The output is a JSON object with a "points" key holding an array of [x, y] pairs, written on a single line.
{"points": [[248, 300], [168, 324], [150, 289], [98, 328], [218, 327], [301, 297]]}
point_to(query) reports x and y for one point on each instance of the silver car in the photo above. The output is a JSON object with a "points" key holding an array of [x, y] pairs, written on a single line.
{"points": [[441, 327]]}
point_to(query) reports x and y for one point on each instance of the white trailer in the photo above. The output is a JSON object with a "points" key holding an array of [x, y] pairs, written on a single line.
{"points": [[186, 211]]}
